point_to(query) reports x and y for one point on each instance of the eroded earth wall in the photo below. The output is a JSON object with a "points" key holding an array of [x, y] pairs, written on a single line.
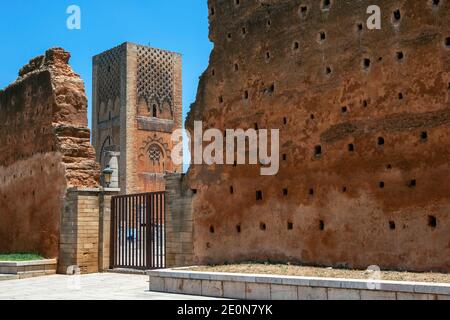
{"points": [[364, 119], [44, 149]]}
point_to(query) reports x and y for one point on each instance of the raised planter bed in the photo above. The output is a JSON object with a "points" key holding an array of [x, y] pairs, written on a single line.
{"points": [[272, 287], [28, 269]]}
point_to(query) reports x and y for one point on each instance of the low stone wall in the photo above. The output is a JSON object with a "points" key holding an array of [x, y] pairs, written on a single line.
{"points": [[28, 269], [268, 287]]}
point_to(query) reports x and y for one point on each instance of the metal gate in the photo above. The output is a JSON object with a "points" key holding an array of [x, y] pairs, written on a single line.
{"points": [[137, 231]]}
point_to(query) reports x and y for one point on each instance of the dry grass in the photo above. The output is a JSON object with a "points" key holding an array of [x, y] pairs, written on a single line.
{"points": [[303, 271]]}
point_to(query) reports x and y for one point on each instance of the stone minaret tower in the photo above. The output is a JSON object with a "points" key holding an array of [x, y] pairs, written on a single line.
{"points": [[137, 104]]}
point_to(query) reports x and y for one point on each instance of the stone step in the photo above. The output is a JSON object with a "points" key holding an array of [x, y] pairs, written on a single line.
{"points": [[5, 277]]}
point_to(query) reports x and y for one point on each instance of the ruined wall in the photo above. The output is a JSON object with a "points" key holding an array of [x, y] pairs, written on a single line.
{"points": [[364, 119], [44, 148], [137, 104]]}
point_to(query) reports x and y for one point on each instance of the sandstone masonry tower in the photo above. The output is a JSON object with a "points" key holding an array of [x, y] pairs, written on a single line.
{"points": [[137, 104]]}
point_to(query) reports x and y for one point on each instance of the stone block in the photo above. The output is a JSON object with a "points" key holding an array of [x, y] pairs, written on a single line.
{"points": [[212, 288], [415, 296], [234, 290], [157, 284], [257, 291], [312, 293], [377, 295], [281, 292], [343, 294], [192, 287]]}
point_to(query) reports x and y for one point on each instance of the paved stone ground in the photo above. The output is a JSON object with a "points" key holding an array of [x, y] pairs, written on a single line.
{"points": [[102, 286]]}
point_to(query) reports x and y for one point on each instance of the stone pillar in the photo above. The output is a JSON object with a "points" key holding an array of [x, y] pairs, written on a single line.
{"points": [[85, 230], [179, 222]]}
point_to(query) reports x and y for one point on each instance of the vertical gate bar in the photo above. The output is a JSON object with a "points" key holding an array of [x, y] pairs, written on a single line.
{"points": [[158, 236], [128, 229], [152, 229], [111, 234], [146, 232], [133, 223], [161, 228], [135, 232], [124, 240], [155, 237], [138, 231], [116, 207], [122, 228], [148, 241], [121, 232], [124, 248], [160, 231], [164, 228], [117, 250], [143, 230]]}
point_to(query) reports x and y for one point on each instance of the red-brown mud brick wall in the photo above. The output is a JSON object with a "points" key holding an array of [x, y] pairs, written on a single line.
{"points": [[364, 120], [44, 149]]}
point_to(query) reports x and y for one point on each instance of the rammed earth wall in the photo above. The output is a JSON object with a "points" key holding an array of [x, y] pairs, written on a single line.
{"points": [[364, 126], [44, 149]]}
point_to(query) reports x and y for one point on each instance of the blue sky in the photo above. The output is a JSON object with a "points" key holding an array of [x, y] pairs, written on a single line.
{"points": [[29, 27]]}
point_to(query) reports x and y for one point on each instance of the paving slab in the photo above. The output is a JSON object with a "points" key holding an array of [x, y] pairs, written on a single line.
{"points": [[101, 286]]}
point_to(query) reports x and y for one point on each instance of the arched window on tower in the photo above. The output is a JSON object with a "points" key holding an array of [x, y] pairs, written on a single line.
{"points": [[157, 159], [154, 111], [154, 153]]}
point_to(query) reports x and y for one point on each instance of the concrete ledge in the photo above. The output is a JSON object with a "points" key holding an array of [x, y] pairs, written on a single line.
{"points": [[6, 277], [272, 287], [27, 269]]}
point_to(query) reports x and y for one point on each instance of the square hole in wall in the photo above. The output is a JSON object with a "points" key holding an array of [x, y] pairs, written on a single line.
{"points": [[238, 228], [396, 16], [351, 147], [290, 226], [321, 225], [285, 192], [259, 195], [318, 151], [263, 226], [424, 136], [392, 225], [432, 222], [303, 11], [326, 5]]}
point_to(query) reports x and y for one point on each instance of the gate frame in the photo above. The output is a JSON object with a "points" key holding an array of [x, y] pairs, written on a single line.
{"points": [[149, 230]]}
